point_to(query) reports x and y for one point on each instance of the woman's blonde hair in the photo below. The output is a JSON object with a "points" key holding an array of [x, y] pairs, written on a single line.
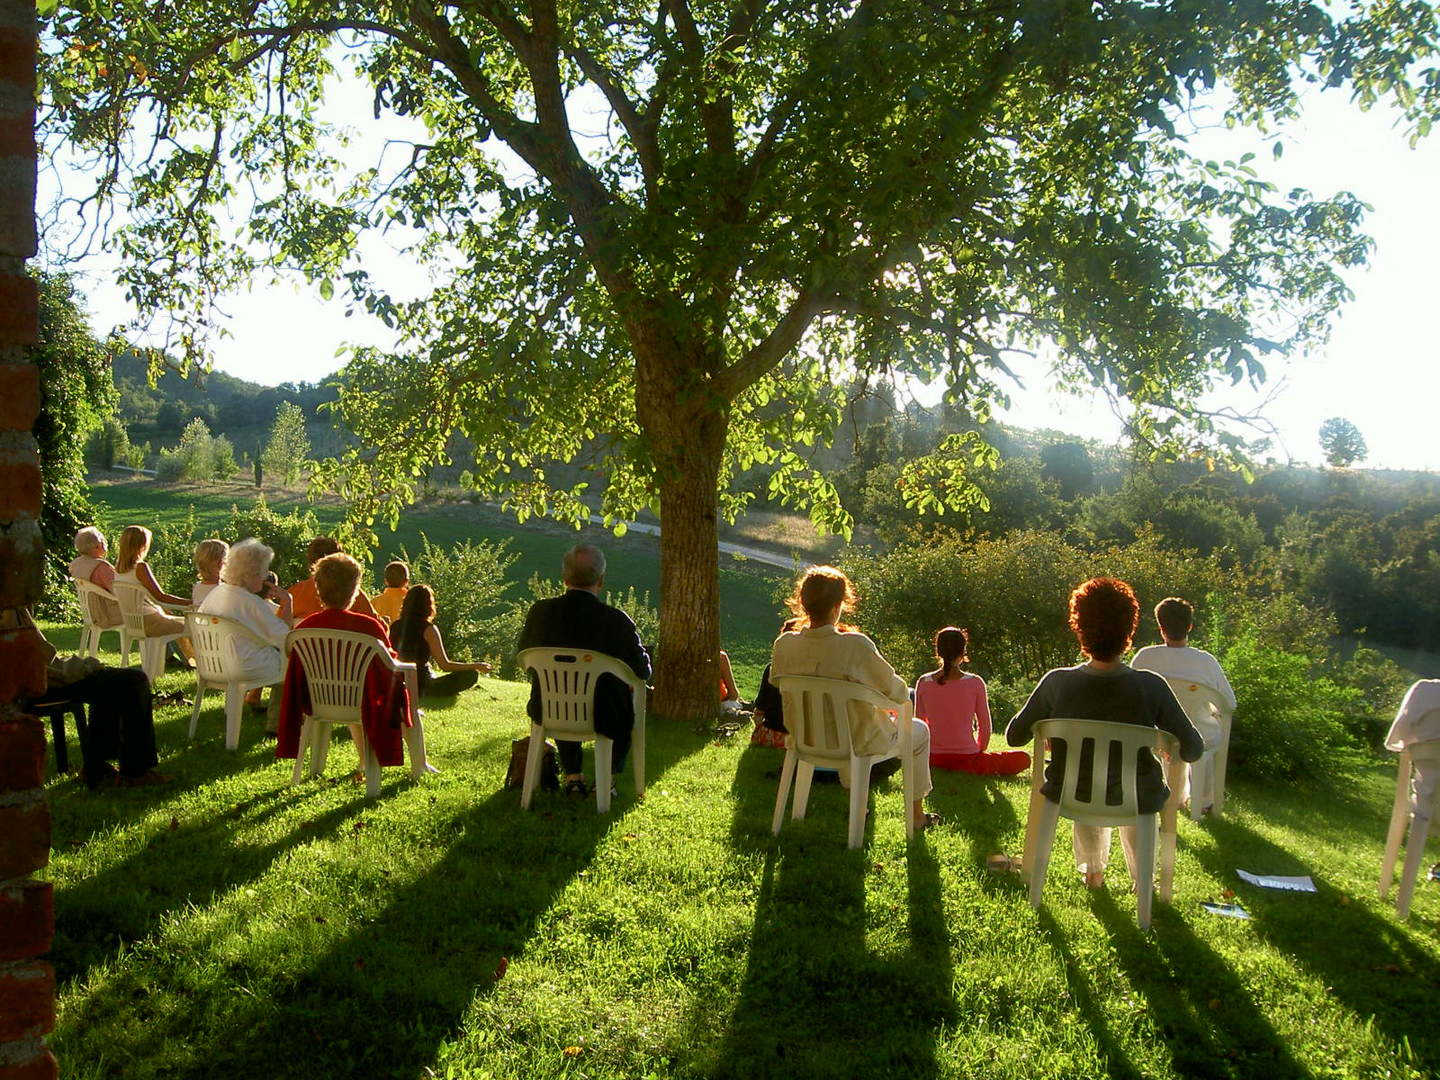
{"points": [[210, 556], [131, 548], [817, 592]]}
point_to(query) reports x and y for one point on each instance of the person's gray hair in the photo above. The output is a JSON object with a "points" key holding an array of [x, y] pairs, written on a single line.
{"points": [[88, 539], [245, 561], [584, 566]]}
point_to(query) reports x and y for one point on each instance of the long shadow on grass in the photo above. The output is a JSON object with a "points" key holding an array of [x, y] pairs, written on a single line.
{"points": [[1368, 962], [815, 1001], [1212, 1023], [380, 1000]]}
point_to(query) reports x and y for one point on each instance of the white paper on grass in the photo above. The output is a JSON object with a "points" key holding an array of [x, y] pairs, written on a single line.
{"points": [[1278, 881]]}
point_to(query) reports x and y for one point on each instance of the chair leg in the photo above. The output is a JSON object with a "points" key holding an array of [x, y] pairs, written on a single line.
{"points": [[1217, 776], [320, 747], [372, 769], [604, 755], [907, 788], [1144, 868], [1414, 856], [415, 747], [1169, 830], [787, 776], [195, 712], [234, 710], [637, 748], [1032, 826], [125, 644], [1043, 817], [90, 641], [533, 757], [152, 658], [859, 799], [307, 736], [804, 777], [1399, 816]]}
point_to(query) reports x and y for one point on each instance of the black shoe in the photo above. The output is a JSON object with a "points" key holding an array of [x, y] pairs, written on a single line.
{"points": [[577, 787]]}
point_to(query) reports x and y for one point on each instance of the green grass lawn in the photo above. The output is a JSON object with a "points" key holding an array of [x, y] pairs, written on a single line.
{"points": [[749, 615], [229, 925]]}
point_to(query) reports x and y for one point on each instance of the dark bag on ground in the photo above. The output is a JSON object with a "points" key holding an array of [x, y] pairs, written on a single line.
{"points": [[549, 766]]}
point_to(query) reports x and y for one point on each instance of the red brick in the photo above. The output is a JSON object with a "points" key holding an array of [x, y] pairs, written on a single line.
{"points": [[17, 57], [27, 913], [24, 848], [19, 396], [19, 309], [27, 1001], [22, 753], [20, 489], [22, 582], [40, 1067]]}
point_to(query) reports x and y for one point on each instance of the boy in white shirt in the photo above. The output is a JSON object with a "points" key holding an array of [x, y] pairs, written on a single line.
{"points": [[1177, 660]]}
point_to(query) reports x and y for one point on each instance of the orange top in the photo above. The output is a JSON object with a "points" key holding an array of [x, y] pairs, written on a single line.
{"points": [[305, 600], [387, 603]]}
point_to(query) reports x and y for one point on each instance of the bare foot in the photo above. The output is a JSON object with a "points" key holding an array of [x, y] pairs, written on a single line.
{"points": [[1094, 879]]}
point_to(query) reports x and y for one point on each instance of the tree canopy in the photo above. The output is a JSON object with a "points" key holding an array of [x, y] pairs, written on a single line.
{"points": [[665, 234], [1342, 443]]}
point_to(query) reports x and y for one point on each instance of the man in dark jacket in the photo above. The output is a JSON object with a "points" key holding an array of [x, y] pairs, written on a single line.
{"points": [[581, 620]]}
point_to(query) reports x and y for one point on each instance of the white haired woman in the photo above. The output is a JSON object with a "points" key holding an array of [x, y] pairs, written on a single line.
{"points": [[244, 595], [91, 565]]}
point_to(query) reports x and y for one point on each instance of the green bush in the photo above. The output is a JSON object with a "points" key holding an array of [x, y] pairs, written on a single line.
{"points": [[172, 555], [287, 534], [473, 609], [1290, 723]]}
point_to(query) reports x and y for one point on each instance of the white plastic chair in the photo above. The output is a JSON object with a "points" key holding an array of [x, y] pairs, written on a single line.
{"points": [[335, 663], [134, 600], [1089, 807], [218, 667], [92, 599], [817, 715], [1207, 712], [1415, 848], [567, 697]]}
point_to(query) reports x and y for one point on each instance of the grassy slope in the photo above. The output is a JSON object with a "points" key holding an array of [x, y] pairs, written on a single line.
{"points": [[232, 926], [749, 614]]}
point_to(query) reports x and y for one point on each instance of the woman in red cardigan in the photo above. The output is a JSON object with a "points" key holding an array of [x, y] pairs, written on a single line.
{"points": [[385, 710]]}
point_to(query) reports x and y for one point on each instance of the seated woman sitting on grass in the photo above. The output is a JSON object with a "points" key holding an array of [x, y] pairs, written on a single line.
{"points": [[954, 703], [1103, 616], [385, 709], [418, 641]]}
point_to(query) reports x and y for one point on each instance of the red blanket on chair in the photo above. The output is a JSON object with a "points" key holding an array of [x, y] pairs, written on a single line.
{"points": [[384, 709]]}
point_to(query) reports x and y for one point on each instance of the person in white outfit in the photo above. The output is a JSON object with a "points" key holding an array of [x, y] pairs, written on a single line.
{"points": [[1177, 661], [1417, 729], [821, 646], [242, 576]]}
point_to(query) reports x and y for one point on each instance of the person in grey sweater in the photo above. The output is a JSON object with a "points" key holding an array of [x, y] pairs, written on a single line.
{"points": [[1104, 615]]}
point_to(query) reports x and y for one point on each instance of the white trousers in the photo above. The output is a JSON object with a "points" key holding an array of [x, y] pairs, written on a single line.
{"points": [[1092, 847]]}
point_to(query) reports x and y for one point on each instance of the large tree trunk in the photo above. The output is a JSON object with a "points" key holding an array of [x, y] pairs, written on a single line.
{"points": [[691, 442]]}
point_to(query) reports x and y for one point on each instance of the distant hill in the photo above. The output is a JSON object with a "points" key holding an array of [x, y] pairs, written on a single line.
{"points": [[241, 410]]}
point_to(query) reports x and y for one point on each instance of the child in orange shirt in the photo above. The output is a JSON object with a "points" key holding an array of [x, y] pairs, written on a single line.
{"points": [[397, 584]]}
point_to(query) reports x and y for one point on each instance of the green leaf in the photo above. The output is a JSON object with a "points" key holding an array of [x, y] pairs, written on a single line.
{"points": [[327, 289]]}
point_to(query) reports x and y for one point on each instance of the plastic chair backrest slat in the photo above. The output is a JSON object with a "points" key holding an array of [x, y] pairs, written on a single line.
{"points": [[93, 597], [214, 638], [567, 684], [335, 663], [821, 715], [1093, 740], [132, 607]]}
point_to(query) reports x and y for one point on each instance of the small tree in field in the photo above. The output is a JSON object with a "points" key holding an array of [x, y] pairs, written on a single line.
{"points": [[288, 449], [1342, 443]]}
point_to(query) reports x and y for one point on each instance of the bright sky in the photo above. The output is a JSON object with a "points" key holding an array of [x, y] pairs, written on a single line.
{"points": [[1381, 368]]}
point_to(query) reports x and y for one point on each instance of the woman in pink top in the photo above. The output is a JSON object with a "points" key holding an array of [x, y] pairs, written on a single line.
{"points": [[953, 702]]}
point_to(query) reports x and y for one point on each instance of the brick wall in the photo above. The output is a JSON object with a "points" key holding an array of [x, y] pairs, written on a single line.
{"points": [[27, 913]]}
